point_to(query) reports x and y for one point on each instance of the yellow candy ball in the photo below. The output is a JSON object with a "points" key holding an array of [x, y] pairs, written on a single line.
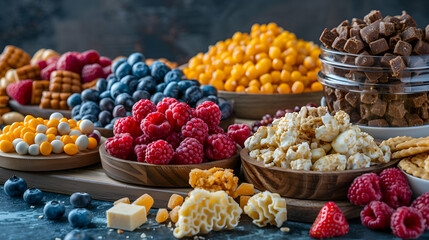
{"points": [[6, 146], [71, 149], [45, 148]]}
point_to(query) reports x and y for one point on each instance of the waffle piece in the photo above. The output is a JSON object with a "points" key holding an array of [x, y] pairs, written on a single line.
{"points": [[65, 82], [54, 100], [15, 57], [38, 88], [4, 110], [89, 84], [28, 72], [4, 67], [3, 91], [3, 101]]}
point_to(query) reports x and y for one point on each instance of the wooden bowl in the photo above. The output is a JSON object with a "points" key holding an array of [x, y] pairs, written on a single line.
{"points": [[255, 106], [158, 175], [36, 111], [313, 185]]}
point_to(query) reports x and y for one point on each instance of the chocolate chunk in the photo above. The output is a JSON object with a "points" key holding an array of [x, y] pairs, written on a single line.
{"points": [[353, 45], [386, 59], [352, 98], [384, 78], [354, 32], [420, 34], [396, 109], [413, 119], [327, 38], [330, 91], [343, 31], [409, 34], [362, 122], [373, 75], [378, 123], [348, 60], [372, 16], [398, 122], [379, 108], [356, 76], [423, 111], [358, 21], [340, 93], [418, 101], [354, 116], [368, 98], [427, 33], [365, 111], [386, 28], [339, 43], [421, 48], [407, 19], [378, 46], [393, 40], [403, 48], [341, 104], [369, 33], [364, 59], [398, 88], [397, 65], [344, 23]]}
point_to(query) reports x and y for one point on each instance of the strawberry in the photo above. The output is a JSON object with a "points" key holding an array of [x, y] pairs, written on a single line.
{"points": [[20, 91], [329, 223]]}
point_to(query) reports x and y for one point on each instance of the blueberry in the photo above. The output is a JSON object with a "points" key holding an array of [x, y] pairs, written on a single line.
{"points": [[192, 95], [195, 82], [78, 235], [109, 126], [119, 111], [122, 98], [127, 79], [208, 90], [111, 77], [135, 57], [107, 104], [157, 97], [105, 94], [79, 217], [90, 117], [33, 196], [75, 111], [140, 94], [117, 63], [226, 109], [172, 90], [74, 100], [184, 85], [15, 186], [158, 70], [111, 82], [209, 98], [89, 108], [119, 88], [98, 124], [147, 83], [90, 95], [178, 71], [129, 103], [123, 70], [80, 200], [172, 76], [54, 209], [114, 120], [101, 85], [160, 87], [140, 70], [77, 117]]}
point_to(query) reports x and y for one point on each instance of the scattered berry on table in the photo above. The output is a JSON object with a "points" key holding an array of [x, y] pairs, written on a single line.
{"points": [[15, 186], [54, 210], [422, 204], [394, 186], [376, 215], [330, 222], [78, 235], [79, 217], [364, 189], [407, 222], [80, 200], [33, 196]]}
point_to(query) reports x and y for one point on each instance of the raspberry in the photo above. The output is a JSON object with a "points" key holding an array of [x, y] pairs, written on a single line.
{"points": [[397, 196], [174, 139], [120, 146], [20, 91], [127, 125], [165, 104], [142, 139], [210, 113], [68, 61], [178, 115], [422, 204], [105, 61], [52, 60], [407, 222], [155, 125], [89, 57], [107, 71], [140, 152], [142, 108], [216, 130], [364, 189], [46, 72], [392, 176], [196, 128], [159, 152], [239, 133], [376, 215], [42, 64], [190, 151], [220, 146], [91, 72]]}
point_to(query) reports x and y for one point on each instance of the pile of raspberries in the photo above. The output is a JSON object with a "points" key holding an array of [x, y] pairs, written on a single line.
{"points": [[387, 201], [174, 133]]}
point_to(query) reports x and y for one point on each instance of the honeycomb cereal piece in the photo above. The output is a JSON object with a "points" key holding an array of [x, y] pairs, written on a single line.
{"points": [[205, 211], [345, 141], [175, 200], [358, 161], [15, 57], [54, 100], [161, 215], [28, 72], [38, 88], [279, 157], [287, 131], [243, 201], [245, 189], [317, 153], [65, 82], [270, 140], [144, 200], [267, 157], [343, 120], [299, 151], [214, 179], [254, 142], [267, 208], [174, 214], [122, 200], [386, 154], [301, 164], [331, 162], [329, 131]]}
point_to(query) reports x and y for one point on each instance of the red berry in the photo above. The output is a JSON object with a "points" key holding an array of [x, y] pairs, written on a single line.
{"points": [[407, 222], [142, 139], [127, 125], [392, 176], [364, 189], [155, 125], [397, 195], [107, 71], [52, 60], [89, 57], [20, 91], [210, 113], [91, 72], [422, 204], [46, 72], [330, 222], [376, 215], [178, 114], [105, 61], [120, 146], [140, 152], [165, 104], [190, 151], [196, 128], [159, 152], [69, 62], [174, 139], [215, 130], [220, 146], [142, 108], [239, 133], [42, 64]]}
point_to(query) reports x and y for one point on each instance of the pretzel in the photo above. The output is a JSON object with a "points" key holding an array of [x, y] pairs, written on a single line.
{"points": [[65, 82], [28, 72], [54, 100]]}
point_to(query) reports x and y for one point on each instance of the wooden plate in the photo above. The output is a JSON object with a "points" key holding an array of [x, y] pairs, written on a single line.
{"points": [[158, 175], [36, 111], [255, 106], [310, 185]]}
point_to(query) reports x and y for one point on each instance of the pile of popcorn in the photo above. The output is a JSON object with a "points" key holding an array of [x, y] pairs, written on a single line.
{"points": [[312, 139]]}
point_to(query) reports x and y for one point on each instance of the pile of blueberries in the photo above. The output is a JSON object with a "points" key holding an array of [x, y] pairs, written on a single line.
{"points": [[132, 80]]}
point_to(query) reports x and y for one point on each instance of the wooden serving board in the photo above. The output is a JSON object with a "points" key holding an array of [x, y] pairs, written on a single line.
{"points": [[36, 111]]}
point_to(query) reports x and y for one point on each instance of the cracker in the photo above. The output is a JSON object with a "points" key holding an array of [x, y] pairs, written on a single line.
{"points": [[413, 169], [393, 142], [420, 159], [416, 142], [409, 152]]}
